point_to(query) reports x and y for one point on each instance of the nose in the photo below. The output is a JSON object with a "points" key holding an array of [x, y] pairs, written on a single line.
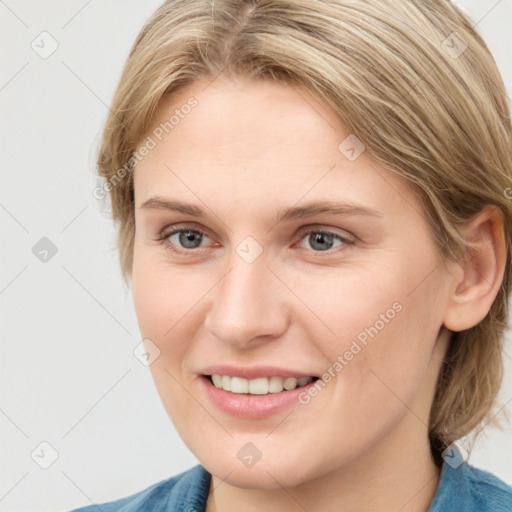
{"points": [[248, 306]]}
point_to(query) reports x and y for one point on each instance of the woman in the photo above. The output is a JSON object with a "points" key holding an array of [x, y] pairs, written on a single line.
{"points": [[312, 209]]}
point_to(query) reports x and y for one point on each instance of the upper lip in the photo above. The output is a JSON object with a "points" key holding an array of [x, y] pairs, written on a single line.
{"points": [[252, 372]]}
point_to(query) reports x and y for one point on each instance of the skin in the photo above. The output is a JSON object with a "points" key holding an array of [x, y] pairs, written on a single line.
{"points": [[246, 151]]}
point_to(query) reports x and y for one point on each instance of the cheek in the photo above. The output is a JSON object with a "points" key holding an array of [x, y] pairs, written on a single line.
{"points": [[353, 302], [164, 295], [383, 322], [161, 313], [166, 309], [170, 304]]}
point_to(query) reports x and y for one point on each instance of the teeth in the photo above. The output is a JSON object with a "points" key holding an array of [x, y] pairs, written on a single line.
{"points": [[303, 381], [238, 385], [226, 383], [290, 383], [259, 386], [275, 384]]}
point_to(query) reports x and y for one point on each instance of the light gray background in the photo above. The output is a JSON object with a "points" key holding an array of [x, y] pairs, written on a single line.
{"points": [[68, 326]]}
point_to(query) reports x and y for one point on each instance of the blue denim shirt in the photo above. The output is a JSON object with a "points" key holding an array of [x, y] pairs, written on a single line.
{"points": [[461, 489]]}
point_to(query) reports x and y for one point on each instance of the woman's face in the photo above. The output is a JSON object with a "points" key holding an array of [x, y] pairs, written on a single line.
{"points": [[263, 283]]}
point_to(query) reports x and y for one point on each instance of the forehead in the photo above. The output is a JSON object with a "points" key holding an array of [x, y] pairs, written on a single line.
{"points": [[250, 119], [258, 141]]}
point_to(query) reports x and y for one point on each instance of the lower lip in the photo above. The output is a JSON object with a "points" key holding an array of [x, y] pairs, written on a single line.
{"points": [[245, 405]]}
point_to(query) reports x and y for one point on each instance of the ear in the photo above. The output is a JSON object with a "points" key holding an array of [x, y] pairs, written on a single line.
{"points": [[478, 277]]}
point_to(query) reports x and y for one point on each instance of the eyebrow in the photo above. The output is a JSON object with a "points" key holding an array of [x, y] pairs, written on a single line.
{"points": [[283, 215]]}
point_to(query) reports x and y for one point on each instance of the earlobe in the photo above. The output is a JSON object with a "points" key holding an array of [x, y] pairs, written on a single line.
{"points": [[479, 275]]}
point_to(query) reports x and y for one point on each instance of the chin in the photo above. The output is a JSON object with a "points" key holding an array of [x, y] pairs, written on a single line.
{"points": [[275, 469], [261, 476]]}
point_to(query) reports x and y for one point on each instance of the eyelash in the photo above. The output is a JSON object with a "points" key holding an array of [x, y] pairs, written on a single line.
{"points": [[165, 235]]}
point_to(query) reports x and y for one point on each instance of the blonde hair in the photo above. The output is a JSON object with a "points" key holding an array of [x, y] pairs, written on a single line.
{"points": [[412, 79]]}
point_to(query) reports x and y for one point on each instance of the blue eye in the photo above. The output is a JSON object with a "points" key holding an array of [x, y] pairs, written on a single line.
{"points": [[322, 241], [189, 239]]}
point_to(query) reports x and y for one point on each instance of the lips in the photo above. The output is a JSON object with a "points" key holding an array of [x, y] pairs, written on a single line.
{"points": [[254, 392]]}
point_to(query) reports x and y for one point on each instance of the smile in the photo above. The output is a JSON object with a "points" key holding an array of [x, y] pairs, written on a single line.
{"points": [[260, 385]]}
